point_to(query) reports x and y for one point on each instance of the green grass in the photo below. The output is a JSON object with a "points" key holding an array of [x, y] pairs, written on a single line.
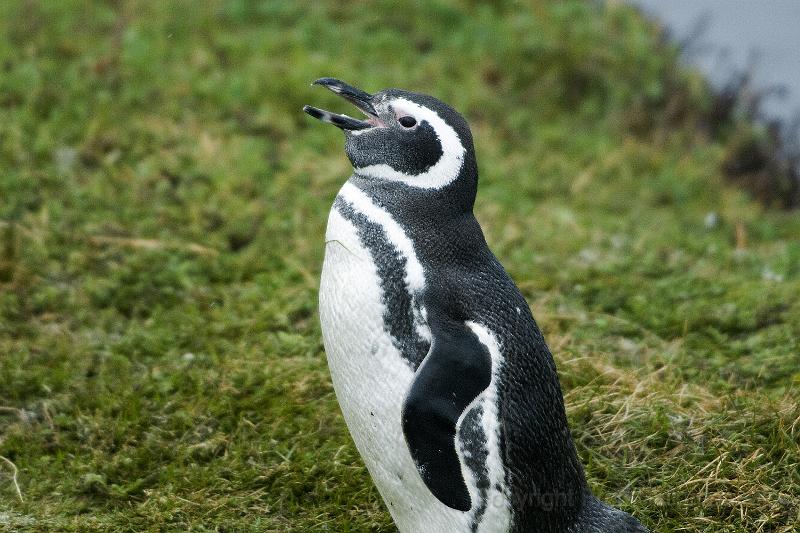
{"points": [[162, 211]]}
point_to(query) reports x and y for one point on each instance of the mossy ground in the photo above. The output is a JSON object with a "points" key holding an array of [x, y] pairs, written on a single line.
{"points": [[162, 210]]}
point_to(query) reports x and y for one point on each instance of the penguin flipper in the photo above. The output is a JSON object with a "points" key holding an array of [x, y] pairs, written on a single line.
{"points": [[455, 371]]}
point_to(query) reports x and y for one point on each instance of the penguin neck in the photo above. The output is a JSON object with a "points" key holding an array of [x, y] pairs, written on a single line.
{"points": [[421, 205]]}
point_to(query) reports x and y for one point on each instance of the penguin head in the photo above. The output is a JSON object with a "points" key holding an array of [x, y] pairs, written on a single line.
{"points": [[411, 139]]}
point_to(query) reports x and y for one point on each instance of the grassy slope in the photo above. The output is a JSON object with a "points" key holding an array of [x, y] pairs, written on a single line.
{"points": [[162, 207]]}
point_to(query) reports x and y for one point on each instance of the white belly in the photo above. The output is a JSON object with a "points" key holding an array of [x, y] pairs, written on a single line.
{"points": [[371, 380]]}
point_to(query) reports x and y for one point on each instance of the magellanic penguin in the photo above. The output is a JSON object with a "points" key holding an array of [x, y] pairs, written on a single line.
{"points": [[444, 379]]}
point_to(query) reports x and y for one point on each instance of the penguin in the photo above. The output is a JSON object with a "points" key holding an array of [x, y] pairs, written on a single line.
{"points": [[444, 379]]}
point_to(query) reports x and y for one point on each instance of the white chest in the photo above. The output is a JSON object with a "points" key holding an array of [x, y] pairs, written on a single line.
{"points": [[371, 379]]}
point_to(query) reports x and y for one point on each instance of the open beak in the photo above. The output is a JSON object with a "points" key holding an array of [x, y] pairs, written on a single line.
{"points": [[357, 97]]}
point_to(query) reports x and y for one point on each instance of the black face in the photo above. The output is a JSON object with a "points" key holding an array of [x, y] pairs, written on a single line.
{"points": [[404, 135], [406, 143]]}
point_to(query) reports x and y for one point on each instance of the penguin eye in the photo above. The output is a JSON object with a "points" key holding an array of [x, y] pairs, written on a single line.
{"points": [[407, 121]]}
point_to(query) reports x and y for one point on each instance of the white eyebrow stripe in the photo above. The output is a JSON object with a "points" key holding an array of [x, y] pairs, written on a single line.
{"points": [[444, 171]]}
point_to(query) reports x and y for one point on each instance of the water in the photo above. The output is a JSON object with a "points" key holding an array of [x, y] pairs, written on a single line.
{"points": [[730, 36]]}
